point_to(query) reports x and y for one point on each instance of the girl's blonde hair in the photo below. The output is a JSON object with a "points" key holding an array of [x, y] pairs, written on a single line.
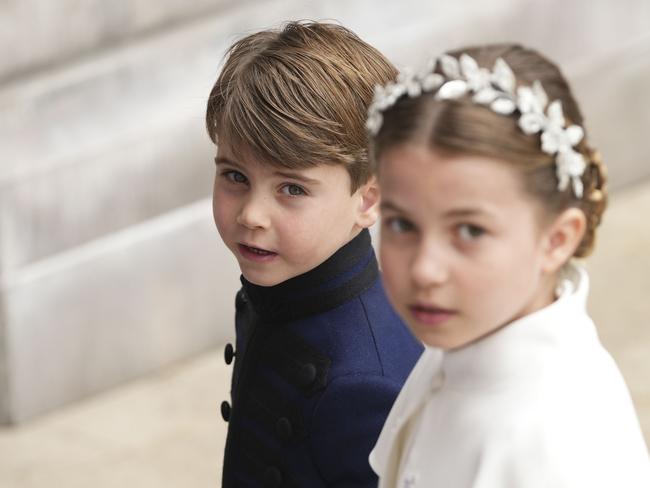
{"points": [[461, 126], [297, 97]]}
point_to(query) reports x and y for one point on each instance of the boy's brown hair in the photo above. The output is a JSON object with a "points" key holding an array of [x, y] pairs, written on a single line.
{"points": [[298, 97]]}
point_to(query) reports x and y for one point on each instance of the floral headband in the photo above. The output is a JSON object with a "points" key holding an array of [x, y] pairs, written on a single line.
{"points": [[495, 89]]}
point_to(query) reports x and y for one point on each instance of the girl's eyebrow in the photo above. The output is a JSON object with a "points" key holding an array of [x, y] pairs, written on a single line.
{"points": [[453, 213], [388, 205], [464, 212]]}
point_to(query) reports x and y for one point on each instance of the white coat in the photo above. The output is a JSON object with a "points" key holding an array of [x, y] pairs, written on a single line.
{"points": [[538, 403]]}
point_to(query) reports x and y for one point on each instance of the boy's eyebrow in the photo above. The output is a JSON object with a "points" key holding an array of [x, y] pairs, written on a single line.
{"points": [[297, 176], [222, 160], [285, 174]]}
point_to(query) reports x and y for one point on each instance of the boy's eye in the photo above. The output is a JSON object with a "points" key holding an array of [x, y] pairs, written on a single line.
{"points": [[398, 225], [293, 190], [469, 232], [235, 176]]}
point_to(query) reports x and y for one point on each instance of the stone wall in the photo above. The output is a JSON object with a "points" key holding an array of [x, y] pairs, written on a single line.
{"points": [[42, 34], [110, 266]]}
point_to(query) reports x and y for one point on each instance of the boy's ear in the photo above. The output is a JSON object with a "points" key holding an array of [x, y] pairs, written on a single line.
{"points": [[368, 210], [562, 238]]}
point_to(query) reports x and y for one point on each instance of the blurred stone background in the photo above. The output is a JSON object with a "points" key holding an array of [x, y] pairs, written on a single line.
{"points": [[111, 271]]}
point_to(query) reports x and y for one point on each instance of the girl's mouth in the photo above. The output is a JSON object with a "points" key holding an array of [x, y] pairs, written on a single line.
{"points": [[256, 254], [430, 315]]}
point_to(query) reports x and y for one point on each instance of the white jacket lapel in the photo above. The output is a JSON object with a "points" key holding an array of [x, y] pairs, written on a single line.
{"points": [[426, 376]]}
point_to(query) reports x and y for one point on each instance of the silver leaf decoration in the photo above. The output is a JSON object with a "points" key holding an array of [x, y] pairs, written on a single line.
{"points": [[503, 76], [452, 89], [503, 106], [468, 66], [450, 66]]}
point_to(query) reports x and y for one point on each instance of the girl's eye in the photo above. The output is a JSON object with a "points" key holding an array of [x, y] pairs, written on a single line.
{"points": [[398, 225], [293, 190], [235, 176], [469, 232]]}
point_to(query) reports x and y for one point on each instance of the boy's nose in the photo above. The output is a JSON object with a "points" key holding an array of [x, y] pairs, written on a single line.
{"points": [[254, 214], [429, 268]]}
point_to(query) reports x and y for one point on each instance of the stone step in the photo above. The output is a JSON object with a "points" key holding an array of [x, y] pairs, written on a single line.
{"points": [[114, 309], [53, 211], [38, 34]]}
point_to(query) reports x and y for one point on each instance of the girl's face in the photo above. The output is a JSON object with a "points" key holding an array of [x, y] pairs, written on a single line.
{"points": [[462, 244]]}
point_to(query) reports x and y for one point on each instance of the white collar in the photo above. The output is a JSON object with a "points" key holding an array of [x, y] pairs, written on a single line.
{"points": [[520, 349], [513, 353]]}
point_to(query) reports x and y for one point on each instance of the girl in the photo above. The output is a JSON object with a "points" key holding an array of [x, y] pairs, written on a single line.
{"points": [[489, 189]]}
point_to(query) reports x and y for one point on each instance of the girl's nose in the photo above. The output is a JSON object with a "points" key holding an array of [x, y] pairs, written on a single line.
{"points": [[429, 267], [254, 214]]}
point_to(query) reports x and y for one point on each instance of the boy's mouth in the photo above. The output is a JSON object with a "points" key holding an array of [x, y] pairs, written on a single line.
{"points": [[256, 253]]}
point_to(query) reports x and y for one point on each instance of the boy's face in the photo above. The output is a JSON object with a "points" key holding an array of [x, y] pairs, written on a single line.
{"points": [[462, 246], [280, 223]]}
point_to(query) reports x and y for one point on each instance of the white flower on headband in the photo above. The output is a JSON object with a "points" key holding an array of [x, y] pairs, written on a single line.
{"points": [[570, 166], [496, 89], [465, 76], [375, 118], [408, 83], [531, 103], [556, 139]]}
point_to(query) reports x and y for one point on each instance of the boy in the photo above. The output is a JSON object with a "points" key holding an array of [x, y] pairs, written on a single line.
{"points": [[320, 355]]}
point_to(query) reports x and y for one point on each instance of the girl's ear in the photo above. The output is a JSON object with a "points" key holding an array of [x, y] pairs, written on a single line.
{"points": [[562, 238], [368, 210]]}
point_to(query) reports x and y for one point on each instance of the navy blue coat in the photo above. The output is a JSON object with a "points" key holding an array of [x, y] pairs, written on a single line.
{"points": [[319, 361]]}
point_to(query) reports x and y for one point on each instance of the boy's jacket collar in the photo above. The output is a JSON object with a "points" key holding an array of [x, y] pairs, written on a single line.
{"points": [[348, 272]]}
